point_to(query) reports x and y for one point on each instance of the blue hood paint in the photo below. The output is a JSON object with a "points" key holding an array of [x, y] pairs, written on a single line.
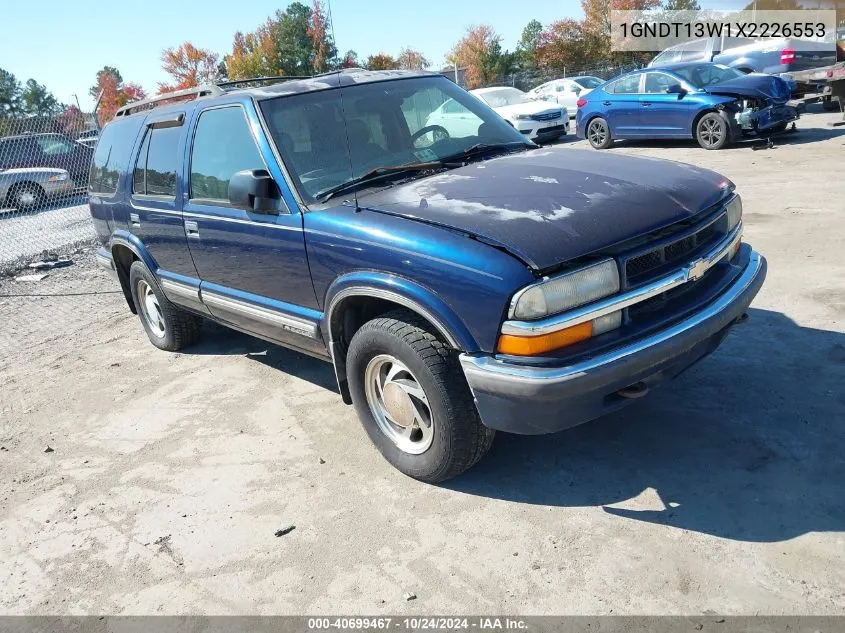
{"points": [[756, 85], [550, 205]]}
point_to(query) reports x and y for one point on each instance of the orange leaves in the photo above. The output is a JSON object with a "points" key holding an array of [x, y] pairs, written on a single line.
{"points": [[189, 66]]}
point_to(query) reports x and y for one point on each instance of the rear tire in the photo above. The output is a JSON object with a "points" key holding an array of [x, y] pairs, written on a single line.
{"points": [[412, 398], [712, 131], [168, 327], [598, 133]]}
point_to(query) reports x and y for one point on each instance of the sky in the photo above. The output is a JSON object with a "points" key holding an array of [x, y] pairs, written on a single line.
{"points": [[73, 40]]}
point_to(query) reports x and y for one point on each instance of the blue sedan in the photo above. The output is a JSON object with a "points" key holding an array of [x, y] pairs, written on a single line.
{"points": [[711, 103]]}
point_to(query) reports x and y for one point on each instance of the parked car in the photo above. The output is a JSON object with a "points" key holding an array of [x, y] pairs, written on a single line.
{"points": [[537, 120], [711, 103], [89, 138], [566, 92], [47, 150], [458, 286], [32, 187], [770, 55]]}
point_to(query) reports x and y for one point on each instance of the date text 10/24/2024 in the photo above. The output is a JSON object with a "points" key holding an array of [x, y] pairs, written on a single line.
{"points": [[418, 623]]}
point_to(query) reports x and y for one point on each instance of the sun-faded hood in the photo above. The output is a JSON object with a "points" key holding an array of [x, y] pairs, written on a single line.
{"points": [[550, 205], [756, 85]]}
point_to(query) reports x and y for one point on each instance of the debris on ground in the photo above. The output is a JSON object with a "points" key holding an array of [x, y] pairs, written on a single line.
{"points": [[410, 595], [49, 449], [36, 277], [285, 530], [49, 265], [322, 461]]}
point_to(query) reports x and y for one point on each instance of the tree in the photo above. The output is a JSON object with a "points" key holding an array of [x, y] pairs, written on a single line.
{"points": [[562, 45], [293, 45], [526, 49], [254, 54], [189, 66], [322, 46], [107, 71], [681, 5], [382, 61], [71, 120], [10, 94], [412, 59], [477, 51], [37, 100], [133, 92], [350, 60]]}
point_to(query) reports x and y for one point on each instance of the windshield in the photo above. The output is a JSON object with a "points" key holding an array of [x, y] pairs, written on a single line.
{"points": [[702, 75], [325, 142], [588, 82], [504, 97]]}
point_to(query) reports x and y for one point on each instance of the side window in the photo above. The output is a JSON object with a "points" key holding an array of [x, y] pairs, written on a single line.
{"points": [[625, 86], [658, 83], [162, 158], [139, 182], [223, 145], [112, 155], [54, 145]]}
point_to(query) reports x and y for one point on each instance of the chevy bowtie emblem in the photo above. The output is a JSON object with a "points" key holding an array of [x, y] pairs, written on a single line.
{"points": [[697, 269]]}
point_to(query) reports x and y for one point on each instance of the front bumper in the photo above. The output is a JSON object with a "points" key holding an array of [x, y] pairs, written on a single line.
{"points": [[535, 400], [541, 130]]}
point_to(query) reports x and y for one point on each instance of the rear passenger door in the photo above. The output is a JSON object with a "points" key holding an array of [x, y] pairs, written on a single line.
{"points": [[622, 109], [252, 265], [155, 203]]}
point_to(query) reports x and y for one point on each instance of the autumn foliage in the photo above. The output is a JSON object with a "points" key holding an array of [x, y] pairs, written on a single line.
{"points": [[474, 51], [189, 66]]}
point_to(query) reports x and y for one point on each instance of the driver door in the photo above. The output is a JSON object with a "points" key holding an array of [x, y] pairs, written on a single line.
{"points": [[664, 114]]}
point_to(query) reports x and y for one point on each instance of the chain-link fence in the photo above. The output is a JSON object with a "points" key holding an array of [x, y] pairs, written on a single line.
{"points": [[44, 164]]}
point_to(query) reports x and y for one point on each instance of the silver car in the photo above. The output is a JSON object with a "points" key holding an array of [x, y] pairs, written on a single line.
{"points": [[26, 188]]}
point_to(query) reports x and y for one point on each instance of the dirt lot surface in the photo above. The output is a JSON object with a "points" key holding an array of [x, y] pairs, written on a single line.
{"points": [[170, 473]]}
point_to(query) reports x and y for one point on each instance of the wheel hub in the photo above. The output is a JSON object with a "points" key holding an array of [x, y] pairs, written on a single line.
{"points": [[398, 404], [150, 309]]}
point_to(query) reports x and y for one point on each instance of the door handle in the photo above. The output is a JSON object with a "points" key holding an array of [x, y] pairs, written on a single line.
{"points": [[646, 104], [134, 220], [606, 103], [192, 229]]}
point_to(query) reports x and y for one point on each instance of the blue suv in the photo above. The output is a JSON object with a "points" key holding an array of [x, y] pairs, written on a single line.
{"points": [[458, 284]]}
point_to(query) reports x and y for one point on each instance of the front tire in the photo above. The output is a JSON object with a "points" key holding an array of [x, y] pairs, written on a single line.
{"points": [[168, 327], [598, 133], [412, 398], [27, 197], [712, 131]]}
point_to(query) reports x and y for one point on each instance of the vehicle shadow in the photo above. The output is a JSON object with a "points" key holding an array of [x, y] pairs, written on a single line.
{"points": [[747, 445], [218, 340]]}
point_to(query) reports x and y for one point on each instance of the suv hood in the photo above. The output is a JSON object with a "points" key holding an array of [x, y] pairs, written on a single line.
{"points": [[756, 85], [550, 205]]}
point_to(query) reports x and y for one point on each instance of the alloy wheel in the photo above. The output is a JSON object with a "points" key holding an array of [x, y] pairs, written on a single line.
{"points": [[150, 309]]}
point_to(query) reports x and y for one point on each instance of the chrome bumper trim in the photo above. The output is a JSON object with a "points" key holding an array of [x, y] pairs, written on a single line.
{"points": [[481, 366], [691, 272]]}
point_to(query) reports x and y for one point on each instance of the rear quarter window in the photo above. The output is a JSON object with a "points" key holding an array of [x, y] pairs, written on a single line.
{"points": [[111, 158]]}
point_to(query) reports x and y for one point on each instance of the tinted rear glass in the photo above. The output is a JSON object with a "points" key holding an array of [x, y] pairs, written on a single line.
{"points": [[155, 168], [111, 157]]}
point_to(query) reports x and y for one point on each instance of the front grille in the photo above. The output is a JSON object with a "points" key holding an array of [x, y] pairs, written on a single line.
{"points": [[546, 116], [552, 129], [675, 251]]}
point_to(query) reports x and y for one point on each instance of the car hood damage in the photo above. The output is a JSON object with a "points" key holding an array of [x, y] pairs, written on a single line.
{"points": [[548, 206], [769, 88]]}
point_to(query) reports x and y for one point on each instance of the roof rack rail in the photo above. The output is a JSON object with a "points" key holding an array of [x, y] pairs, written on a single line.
{"points": [[260, 80], [208, 90]]}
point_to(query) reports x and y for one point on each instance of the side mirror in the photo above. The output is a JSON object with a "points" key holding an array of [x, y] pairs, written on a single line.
{"points": [[255, 190], [676, 89]]}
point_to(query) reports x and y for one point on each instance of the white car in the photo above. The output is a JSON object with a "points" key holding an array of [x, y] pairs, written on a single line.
{"points": [[566, 92], [538, 120]]}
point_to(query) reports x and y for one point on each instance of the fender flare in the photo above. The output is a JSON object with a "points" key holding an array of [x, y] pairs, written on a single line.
{"points": [[399, 290], [128, 240]]}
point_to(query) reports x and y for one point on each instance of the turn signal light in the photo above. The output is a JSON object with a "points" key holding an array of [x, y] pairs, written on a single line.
{"points": [[533, 345]]}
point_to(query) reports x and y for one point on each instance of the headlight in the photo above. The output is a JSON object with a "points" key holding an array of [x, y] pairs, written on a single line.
{"points": [[571, 290], [566, 291], [521, 117], [734, 212], [57, 178]]}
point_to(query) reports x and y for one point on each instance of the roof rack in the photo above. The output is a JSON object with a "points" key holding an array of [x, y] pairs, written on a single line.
{"points": [[208, 90], [261, 80]]}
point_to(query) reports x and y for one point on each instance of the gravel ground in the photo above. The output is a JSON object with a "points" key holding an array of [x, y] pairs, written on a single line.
{"points": [[170, 473]]}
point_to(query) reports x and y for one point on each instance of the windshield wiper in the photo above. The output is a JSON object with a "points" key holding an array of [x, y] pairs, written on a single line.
{"points": [[482, 149], [373, 176]]}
